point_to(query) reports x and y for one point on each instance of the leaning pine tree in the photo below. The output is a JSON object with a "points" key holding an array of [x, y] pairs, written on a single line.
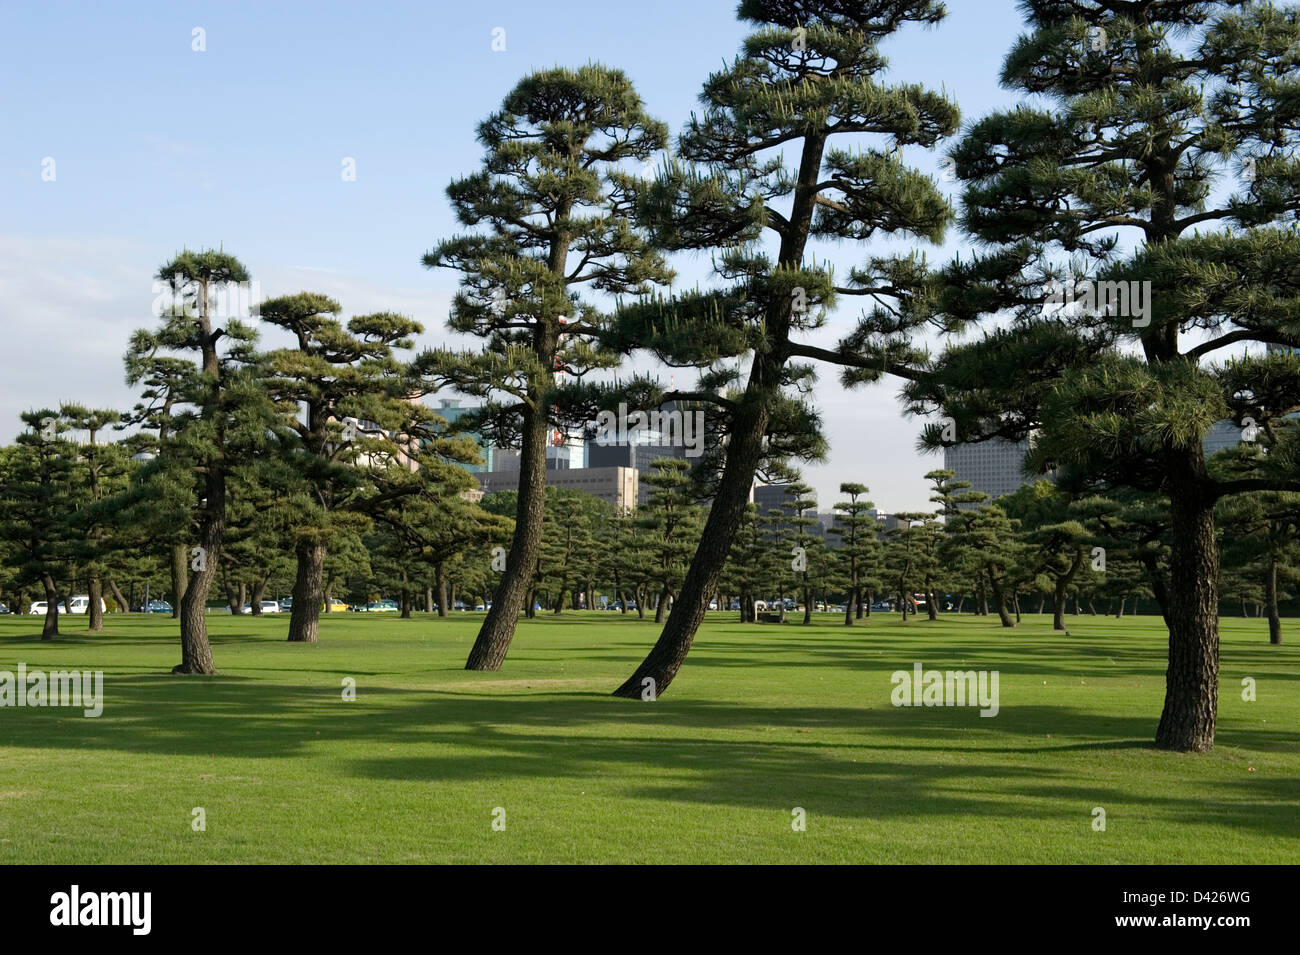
{"points": [[804, 86], [1090, 201], [556, 200]]}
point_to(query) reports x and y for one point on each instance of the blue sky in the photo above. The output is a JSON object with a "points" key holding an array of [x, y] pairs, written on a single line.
{"points": [[157, 146]]}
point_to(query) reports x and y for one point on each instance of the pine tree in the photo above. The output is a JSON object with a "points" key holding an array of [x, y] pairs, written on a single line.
{"points": [[673, 522], [859, 551], [805, 82], [218, 416], [1262, 545], [1059, 545], [807, 549], [38, 498], [1145, 107], [557, 207], [347, 399], [101, 472]]}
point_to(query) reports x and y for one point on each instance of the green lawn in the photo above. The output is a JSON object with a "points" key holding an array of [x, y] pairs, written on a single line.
{"points": [[761, 720]]}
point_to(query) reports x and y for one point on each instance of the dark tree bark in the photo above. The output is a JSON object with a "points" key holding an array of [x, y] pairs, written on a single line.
{"points": [[1270, 601], [308, 591], [196, 651], [96, 609], [256, 595], [180, 577], [1192, 680], [50, 628], [1000, 600], [444, 603], [1061, 585], [124, 605]]}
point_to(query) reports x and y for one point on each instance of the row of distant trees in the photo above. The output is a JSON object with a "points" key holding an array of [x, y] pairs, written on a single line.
{"points": [[82, 510]]}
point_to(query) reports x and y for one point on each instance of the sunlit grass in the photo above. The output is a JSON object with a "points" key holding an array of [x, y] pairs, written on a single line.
{"points": [[763, 719]]}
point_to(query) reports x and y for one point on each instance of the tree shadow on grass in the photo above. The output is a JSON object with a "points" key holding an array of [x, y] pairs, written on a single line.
{"points": [[878, 762]]}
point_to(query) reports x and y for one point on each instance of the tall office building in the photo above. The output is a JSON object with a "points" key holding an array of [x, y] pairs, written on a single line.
{"points": [[452, 411], [642, 448], [618, 486], [995, 467], [774, 497]]}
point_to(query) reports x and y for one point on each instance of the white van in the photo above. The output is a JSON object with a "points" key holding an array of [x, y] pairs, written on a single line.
{"points": [[81, 604]]}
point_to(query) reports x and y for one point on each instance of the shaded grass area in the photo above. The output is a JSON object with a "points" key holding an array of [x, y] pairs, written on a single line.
{"points": [[763, 719]]}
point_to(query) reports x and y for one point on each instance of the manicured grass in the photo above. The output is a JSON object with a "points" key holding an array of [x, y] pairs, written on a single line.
{"points": [[763, 719]]}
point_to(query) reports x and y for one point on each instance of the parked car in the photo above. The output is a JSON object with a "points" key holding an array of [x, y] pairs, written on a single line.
{"points": [[156, 606], [268, 606], [479, 607], [3, 610], [381, 606], [335, 606], [80, 603], [286, 604], [41, 607]]}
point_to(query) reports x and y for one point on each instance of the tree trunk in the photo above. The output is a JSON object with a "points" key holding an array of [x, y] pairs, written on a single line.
{"points": [[1270, 601], [661, 606], [196, 651], [95, 611], [406, 603], [444, 603], [498, 628], [124, 605], [50, 628], [807, 605], [1000, 601], [308, 591], [932, 611], [255, 598], [428, 600], [851, 602], [1058, 604], [1187, 722], [180, 577]]}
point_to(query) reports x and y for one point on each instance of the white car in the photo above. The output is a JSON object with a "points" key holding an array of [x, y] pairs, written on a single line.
{"points": [[41, 607], [268, 606], [80, 603]]}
